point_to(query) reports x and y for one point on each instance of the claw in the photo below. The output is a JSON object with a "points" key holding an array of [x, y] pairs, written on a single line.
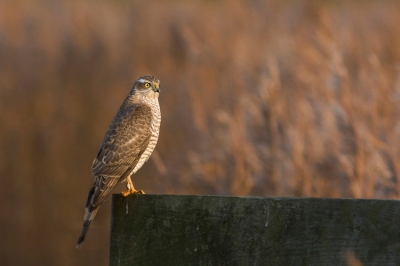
{"points": [[131, 189]]}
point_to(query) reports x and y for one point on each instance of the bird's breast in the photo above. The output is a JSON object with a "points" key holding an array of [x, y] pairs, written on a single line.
{"points": [[154, 130]]}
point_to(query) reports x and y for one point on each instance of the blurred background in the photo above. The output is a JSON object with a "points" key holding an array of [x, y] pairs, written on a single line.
{"points": [[261, 98]]}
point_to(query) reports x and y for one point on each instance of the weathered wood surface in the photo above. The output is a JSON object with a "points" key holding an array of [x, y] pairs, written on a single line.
{"points": [[217, 230]]}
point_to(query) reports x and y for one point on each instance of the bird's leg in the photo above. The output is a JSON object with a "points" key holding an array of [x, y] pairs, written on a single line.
{"points": [[131, 188]]}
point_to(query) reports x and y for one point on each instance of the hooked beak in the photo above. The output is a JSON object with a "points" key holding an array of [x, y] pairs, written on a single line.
{"points": [[157, 90]]}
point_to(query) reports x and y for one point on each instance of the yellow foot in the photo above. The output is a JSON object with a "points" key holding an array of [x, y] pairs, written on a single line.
{"points": [[131, 191]]}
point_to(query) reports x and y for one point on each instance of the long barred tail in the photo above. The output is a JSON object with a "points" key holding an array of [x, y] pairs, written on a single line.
{"points": [[89, 216], [97, 194], [90, 213]]}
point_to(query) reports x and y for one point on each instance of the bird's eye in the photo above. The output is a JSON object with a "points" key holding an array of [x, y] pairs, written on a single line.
{"points": [[147, 85]]}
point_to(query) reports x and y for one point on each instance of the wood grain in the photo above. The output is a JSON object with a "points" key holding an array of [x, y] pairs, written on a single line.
{"points": [[219, 230]]}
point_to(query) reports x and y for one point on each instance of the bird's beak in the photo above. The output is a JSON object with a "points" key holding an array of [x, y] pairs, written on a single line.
{"points": [[157, 88]]}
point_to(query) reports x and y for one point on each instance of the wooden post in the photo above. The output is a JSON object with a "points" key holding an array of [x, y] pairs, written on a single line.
{"points": [[218, 230]]}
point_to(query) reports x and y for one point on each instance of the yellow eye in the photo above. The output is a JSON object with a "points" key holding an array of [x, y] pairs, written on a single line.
{"points": [[147, 85]]}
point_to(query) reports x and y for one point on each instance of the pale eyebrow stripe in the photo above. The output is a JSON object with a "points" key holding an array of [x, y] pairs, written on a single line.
{"points": [[143, 80]]}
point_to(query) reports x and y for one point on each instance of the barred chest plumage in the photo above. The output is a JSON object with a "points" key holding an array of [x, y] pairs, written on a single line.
{"points": [[155, 130]]}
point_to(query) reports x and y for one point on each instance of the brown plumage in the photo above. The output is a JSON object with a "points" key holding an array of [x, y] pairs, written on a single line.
{"points": [[127, 145]]}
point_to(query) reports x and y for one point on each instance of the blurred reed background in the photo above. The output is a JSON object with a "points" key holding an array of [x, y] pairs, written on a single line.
{"points": [[262, 98]]}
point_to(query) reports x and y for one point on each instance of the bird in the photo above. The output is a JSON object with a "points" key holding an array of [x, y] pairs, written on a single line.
{"points": [[127, 145]]}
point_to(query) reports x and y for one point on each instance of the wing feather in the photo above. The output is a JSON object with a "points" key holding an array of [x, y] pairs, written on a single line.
{"points": [[124, 143]]}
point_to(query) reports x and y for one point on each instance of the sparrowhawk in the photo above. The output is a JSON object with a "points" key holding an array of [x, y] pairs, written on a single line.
{"points": [[127, 145]]}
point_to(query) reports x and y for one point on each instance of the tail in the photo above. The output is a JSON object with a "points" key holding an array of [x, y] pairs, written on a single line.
{"points": [[97, 194], [90, 213], [89, 216]]}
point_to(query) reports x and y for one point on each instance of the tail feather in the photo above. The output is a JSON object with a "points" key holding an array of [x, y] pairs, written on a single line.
{"points": [[97, 194], [89, 216]]}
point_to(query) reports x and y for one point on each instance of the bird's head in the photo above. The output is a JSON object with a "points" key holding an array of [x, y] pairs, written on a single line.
{"points": [[147, 86]]}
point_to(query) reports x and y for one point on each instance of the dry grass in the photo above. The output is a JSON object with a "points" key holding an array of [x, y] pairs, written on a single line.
{"points": [[284, 98]]}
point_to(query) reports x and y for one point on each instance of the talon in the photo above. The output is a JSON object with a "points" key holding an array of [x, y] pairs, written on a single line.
{"points": [[125, 193], [131, 191]]}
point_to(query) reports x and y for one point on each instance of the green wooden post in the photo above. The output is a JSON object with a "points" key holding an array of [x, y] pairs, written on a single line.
{"points": [[219, 230]]}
